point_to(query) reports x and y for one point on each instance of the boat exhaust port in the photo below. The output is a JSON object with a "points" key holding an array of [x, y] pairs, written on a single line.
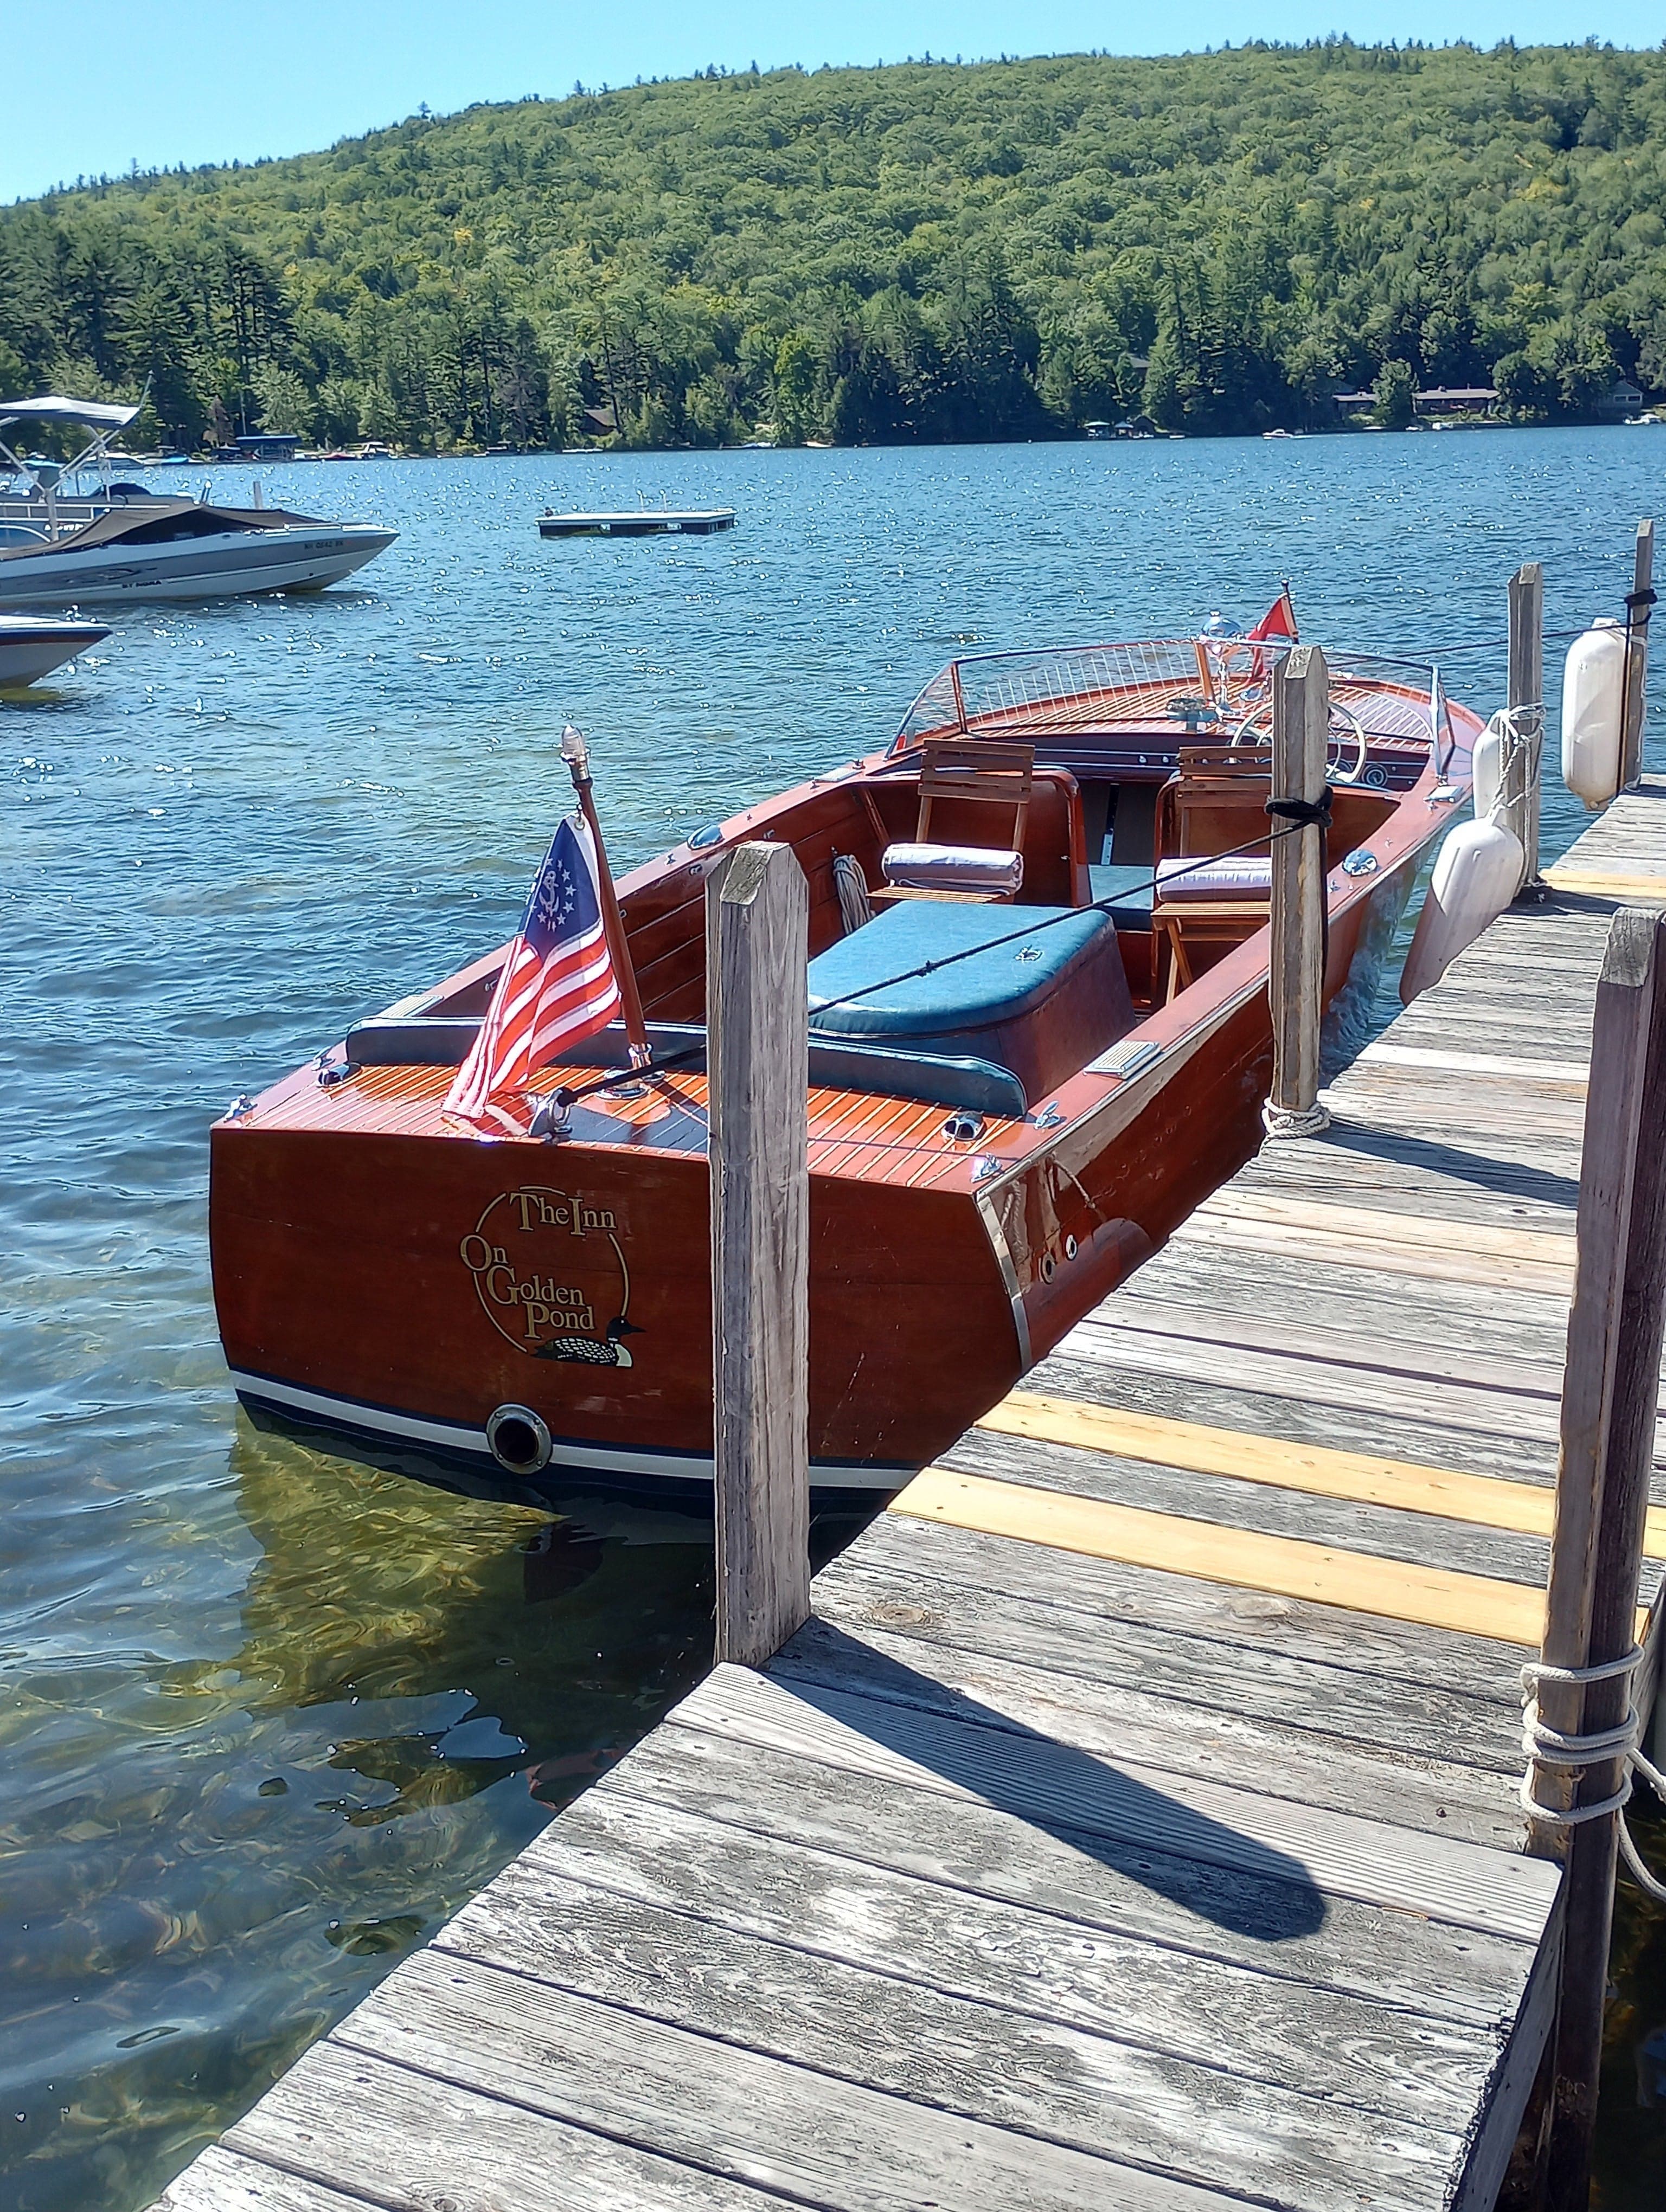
{"points": [[519, 1440]]}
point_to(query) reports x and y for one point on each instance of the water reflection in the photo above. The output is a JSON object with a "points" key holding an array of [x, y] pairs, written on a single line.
{"points": [[415, 1679], [1631, 2143]]}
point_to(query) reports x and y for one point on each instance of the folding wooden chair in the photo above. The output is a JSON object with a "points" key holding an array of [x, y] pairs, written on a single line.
{"points": [[960, 770]]}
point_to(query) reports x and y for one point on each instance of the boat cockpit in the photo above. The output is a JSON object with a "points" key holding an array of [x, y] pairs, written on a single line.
{"points": [[1045, 856]]}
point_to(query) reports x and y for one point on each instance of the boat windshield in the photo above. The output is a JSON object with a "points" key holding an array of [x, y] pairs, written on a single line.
{"points": [[1169, 690], [1066, 690]]}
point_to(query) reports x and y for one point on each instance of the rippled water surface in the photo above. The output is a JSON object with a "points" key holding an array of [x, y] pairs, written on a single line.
{"points": [[270, 1717]]}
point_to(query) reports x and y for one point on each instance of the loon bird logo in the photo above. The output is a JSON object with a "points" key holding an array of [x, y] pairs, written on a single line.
{"points": [[551, 1275], [609, 1353]]}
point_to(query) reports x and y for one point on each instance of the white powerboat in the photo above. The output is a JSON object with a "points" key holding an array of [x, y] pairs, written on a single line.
{"points": [[74, 531], [32, 646], [184, 548]]}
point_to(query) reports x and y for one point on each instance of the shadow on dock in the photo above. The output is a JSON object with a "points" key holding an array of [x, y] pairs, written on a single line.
{"points": [[1079, 1798]]}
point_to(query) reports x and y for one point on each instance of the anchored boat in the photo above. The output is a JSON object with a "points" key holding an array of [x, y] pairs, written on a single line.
{"points": [[1040, 1036], [75, 534], [638, 522], [31, 648], [184, 548]]}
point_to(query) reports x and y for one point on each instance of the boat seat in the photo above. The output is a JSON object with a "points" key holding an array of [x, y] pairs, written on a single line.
{"points": [[976, 773], [1038, 990], [1129, 891]]}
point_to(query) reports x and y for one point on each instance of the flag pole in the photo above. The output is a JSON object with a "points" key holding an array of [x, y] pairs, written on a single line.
{"points": [[576, 754]]}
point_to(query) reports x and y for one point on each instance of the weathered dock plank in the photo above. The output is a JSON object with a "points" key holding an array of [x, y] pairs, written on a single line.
{"points": [[1135, 1822]]}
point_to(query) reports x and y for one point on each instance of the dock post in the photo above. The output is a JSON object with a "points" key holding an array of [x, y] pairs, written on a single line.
{"points": [[1299, 809], [1608, 1401], [1523, 761], [1641, 599], [758, 1045]]}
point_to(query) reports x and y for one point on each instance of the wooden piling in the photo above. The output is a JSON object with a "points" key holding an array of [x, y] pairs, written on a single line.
{"points": [[1637, 656], [758, 1029], [1524, 759], [1301, 735], [1608, 1424]]}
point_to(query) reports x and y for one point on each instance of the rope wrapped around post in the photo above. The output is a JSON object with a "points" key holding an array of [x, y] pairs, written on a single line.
{"points": [[1551, 1747]]}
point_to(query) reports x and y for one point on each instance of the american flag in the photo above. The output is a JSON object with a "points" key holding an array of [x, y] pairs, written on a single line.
{"points": [[557, 984]]}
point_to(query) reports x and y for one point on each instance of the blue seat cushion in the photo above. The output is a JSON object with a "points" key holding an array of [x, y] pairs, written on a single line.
{"points": [[1039, 990], [1129, 891]]}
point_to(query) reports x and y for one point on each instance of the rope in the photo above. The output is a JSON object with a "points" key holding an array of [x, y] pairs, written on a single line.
{"points": [[1304, 813], [1578, 1755], [855, 907], [1294, 1120], [1521, 730]]}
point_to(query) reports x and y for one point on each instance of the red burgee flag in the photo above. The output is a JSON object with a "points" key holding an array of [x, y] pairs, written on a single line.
{"points": [[557, 984], [1279, 621]]}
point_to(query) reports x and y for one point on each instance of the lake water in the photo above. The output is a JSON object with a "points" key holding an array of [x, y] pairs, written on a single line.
{"points": [[271, 1717]]}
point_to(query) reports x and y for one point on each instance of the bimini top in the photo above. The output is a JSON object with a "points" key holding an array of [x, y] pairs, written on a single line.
{"points": [[96, 413], [168, 522]]}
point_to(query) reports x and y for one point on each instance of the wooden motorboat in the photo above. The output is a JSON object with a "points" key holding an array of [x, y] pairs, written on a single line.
{"points": [[1013, 1097]]}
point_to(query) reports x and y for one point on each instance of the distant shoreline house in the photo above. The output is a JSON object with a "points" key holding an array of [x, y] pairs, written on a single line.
{"points": [[268, 445], [1440, 401], [1455, 399], [1437, 400], [1623, 398]]}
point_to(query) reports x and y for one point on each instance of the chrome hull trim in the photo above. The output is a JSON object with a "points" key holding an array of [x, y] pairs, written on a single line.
{"points": [[568, 1455]]}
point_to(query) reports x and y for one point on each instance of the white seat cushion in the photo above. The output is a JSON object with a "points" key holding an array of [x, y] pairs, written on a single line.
{"points": [[951, 868], [1245, 877]]}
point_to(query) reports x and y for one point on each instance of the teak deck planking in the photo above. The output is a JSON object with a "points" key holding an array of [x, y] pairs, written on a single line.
{"points": [[1136, 1823]]}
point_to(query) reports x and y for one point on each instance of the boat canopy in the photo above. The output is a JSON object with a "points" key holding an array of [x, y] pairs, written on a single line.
{"points": [[51, 407], [162, 522]]}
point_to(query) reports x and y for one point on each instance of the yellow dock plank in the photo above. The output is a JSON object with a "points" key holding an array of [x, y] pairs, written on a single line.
{"points": [[1486, 1501], [1651, 890], [1283, 1566]]}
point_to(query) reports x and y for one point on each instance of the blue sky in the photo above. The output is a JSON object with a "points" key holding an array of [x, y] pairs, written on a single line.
{"points": [[158, 81]]}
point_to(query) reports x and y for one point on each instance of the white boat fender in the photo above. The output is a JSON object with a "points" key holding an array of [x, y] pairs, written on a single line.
{"points": [[1479, 870], [1593, 701], [1486, 768]]}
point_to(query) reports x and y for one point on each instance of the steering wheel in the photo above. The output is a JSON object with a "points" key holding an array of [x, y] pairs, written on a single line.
{"points": [[1345, 727]]}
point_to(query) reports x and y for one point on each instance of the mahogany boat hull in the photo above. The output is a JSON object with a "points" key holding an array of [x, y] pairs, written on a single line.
{"points": [[397, 1289]]}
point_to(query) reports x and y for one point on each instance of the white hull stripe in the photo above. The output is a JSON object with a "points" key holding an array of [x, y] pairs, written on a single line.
{"points": [[599, 1459]]}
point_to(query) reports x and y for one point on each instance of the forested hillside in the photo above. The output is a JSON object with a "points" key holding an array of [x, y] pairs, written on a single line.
{"points": [[923, 252]]}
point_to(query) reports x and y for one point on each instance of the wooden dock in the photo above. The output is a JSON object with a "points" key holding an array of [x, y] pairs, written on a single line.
{"points": [[1135, 1825]]}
